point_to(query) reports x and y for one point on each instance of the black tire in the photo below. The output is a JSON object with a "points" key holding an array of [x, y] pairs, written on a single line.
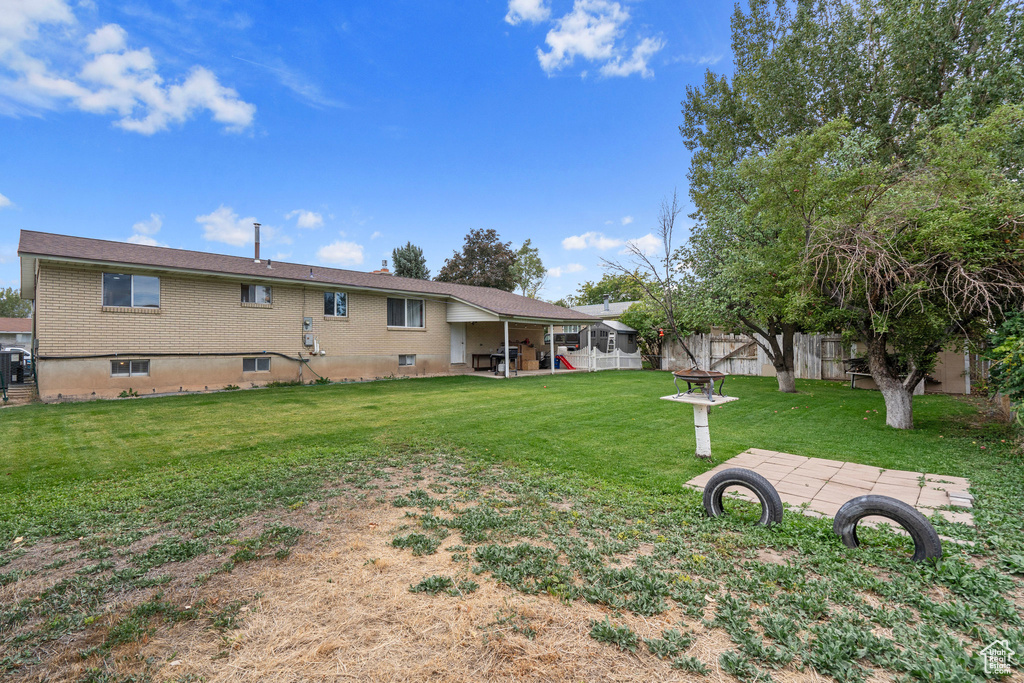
{"points": [[926, 541], [771, 504]]}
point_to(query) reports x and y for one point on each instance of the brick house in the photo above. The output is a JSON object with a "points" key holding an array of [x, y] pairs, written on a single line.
{"points": [[112, 315]]}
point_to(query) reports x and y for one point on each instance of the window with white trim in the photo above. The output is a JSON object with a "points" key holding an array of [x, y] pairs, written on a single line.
{"points": [[255, 365], [131, 291], [336, 304], [129, 368], [256, 294], [570, 329], [406, 360], [405, 312], [611, 341]]}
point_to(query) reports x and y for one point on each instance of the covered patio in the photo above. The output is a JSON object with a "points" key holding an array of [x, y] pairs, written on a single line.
{"points": [[482, 340]]}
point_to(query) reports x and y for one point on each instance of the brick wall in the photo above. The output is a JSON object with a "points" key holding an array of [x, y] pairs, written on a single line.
{"points": [[205, 315]]}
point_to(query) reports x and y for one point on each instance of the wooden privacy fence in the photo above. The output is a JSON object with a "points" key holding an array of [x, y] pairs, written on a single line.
{"points": [[816, 356]]}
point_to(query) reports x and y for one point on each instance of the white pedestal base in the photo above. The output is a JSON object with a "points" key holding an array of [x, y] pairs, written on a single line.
{"points": [[700, 405]]}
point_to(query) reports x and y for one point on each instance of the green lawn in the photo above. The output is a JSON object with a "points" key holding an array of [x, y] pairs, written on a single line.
{"points": [[144, 484], [608, 426]]}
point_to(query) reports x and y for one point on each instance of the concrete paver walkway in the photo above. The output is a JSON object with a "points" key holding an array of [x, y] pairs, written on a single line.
{"points": [[824, 485]]}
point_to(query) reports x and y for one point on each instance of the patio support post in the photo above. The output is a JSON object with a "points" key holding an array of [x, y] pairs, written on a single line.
{"points": [[506, 349], [551, 336]]}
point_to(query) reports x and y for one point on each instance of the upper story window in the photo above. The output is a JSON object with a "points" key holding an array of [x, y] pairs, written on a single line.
{"points": [[405, 312], [131, 291], [336, 303], [256, 294]]}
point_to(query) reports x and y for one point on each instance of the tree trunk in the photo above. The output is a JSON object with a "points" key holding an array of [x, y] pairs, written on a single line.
{"points": [[784, 363], [899, 406]]}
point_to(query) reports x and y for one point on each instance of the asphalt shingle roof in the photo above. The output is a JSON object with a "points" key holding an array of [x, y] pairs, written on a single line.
{"points": [[84, 249]]}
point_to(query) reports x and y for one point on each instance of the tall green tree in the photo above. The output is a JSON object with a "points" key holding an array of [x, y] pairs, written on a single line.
{"points": [[12, 305], [410, 262], [918, 253], [528, 271], [894, 69], [485, 261]]}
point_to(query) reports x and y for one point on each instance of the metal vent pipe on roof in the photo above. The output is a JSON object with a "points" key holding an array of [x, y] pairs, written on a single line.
{"points": [[256, 259], [607, 297]]}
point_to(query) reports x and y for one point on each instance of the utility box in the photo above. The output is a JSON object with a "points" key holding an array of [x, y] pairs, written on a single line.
{"points": [[307, 339]]}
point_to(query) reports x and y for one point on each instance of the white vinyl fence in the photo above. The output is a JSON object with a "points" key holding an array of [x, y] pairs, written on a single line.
{"points": [[594, 359]]}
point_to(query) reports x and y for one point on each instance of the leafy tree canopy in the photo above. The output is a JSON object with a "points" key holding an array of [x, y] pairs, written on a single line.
{"points": [[12, 305], [485, 261], [410, 262], [528, 272], [618, 286]]}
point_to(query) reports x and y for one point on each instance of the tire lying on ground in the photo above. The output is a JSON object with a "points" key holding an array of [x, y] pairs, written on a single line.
{"points": [[926, 541], [771, 504]]}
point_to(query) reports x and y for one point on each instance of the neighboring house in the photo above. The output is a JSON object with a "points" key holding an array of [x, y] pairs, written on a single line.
{"points": [[16, 332], [111, 316], [609, 310]]}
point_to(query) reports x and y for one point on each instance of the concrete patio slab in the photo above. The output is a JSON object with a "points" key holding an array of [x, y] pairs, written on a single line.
{"points": [[819, 487]]}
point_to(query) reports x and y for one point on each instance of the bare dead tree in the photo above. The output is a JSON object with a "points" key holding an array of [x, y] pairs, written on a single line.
{"points": [[663, 285]]}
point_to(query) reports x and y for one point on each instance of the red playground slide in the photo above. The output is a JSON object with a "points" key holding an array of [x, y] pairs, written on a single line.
{"points": [[565, 364]]}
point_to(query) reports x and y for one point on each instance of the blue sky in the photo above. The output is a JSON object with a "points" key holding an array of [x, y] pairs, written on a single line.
{"points": [[347, 129]]}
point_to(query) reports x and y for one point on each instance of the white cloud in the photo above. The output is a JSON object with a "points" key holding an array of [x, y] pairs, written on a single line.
{"points": [[533, 11], [146, 240], [50, 62], [109, 38], [150, 227], [376, 235], [591, 240], [594, 31], [342, 253], [4, 201], [637, 62], [648, 244], [144, 231], [559, 271], [306, 219], [224, 225], [626, 220]]}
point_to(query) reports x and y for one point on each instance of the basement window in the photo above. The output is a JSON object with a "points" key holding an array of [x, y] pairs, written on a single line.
{"points": [[406, 360], [131, 291], [129, 368], [255, 365], [256, 294]]}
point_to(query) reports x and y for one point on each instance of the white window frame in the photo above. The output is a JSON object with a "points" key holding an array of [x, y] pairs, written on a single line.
{"points": [[335, 295], [570, 329], [254, 292], [405, 314], [409, 358], [257, 362], [131, 296], [142, 371], [611, 341]]}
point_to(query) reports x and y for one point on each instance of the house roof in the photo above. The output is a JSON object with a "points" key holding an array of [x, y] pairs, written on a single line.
{"points": [[20, 325], [48, 246], [615, 309]]}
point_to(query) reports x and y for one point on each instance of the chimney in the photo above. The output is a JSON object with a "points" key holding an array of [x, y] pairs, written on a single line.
{"points": [[606, 298], [256, 259], [383, 269]]}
